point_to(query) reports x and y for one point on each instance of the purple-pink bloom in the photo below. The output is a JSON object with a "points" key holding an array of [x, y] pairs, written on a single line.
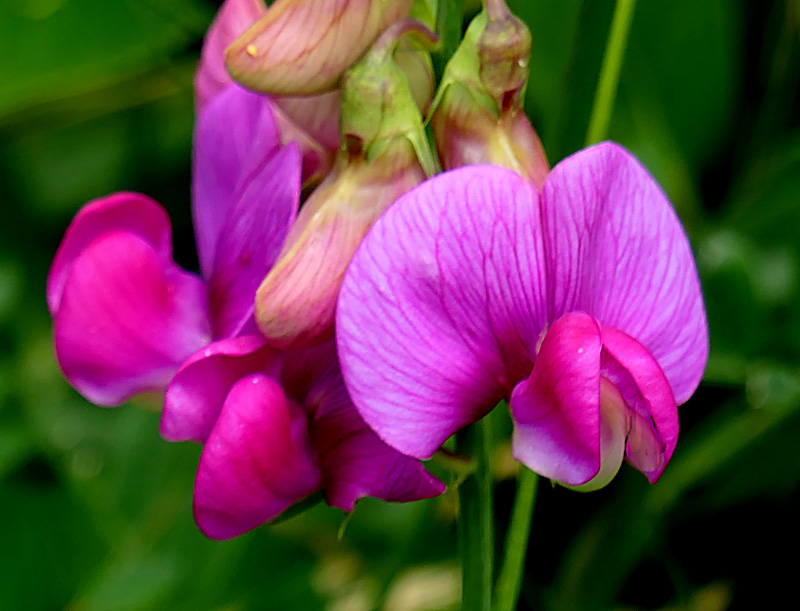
{"points": [[125, 315], [580, 304], [277, 427]]}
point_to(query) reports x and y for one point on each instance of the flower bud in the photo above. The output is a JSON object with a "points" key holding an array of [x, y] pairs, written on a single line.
{"points": [[302, 47], [384, 155], [478, 116]]}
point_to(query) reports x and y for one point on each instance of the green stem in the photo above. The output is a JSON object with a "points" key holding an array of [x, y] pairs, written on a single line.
{"points": [[510, 580], [449, 22], [609, 73], [476, 519]]}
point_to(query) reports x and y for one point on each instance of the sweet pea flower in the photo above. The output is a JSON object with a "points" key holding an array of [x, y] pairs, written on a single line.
{"points": [[125, 315], [579, 304], [311, 122], [278, 428]]}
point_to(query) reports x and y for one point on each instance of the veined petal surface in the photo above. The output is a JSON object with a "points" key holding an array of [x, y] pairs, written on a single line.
{"points": [[251, 237], [233, 136], [442, 306], [123, 211], [127, 319], [617, 250], [257, 461], [302, 47]]}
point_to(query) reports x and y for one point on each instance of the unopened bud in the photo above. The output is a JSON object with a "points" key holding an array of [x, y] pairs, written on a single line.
{"points": [[302, 47], [477, 116]]}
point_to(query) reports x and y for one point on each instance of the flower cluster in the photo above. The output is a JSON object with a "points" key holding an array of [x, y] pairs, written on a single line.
{"points": [[324, 239]]}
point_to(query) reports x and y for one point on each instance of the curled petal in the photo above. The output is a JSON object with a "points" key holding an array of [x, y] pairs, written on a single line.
{"points": [[234, 135], [355, 462], [127, 319], [130, 212], [617, 250], [251, 237], [232, 20], [556, 410], [442, 306], [194, 397], [302, 47], [317, 116], [257, 461], [653, 430]]}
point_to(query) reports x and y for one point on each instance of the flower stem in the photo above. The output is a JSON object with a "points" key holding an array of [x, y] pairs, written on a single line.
{"points": [[476, 519], [510, 580], [609, 73]]}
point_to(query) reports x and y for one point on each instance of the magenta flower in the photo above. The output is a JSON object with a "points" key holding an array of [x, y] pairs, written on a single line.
{"points": [[580, 305], [278, 427], [125, 315]]}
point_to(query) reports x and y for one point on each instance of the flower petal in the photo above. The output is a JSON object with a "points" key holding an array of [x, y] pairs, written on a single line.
{"points": [[251, 238], [442, 306], [195, 396], [302, 47], [120, 211], [617, 250], [257, 461], [235, 132], [651, 405], [232, 20], [556, 410], [127, 319], [355, 462]]}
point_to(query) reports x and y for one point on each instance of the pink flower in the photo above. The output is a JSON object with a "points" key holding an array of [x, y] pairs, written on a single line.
{"points": [[580, 304], [125, 315]]}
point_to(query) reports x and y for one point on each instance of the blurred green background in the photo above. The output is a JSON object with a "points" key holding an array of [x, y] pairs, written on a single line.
{"points": [[95, 509]]}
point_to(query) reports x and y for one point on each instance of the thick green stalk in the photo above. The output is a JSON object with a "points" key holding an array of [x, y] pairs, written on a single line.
{"points": [[510, 580], [609, 73], [476, 519]]}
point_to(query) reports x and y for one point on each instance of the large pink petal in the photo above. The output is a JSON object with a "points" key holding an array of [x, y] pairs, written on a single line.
{"points": [[557, 409], [232, 20], [442, 306], [127, 319], [251, 237], [653, 413], [617, 250], [121, 211], [234, 133], [355, 462], [195, 396], [257, 461]]}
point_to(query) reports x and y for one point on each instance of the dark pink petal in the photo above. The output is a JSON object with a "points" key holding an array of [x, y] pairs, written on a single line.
{"points": [[251, 237], [257, 461], [355, 462], [127, 319], [442, 306], [556, 410], [235, 132], [653, 413], [121, 211], [195, 396], [232, 20], [617, 250]]}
